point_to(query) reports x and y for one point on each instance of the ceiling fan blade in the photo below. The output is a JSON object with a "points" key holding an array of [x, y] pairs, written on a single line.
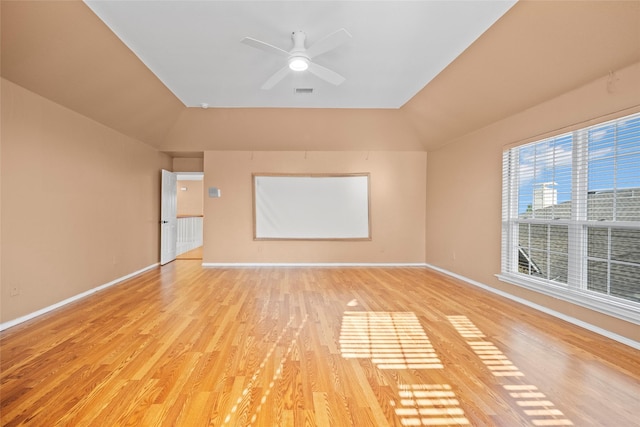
{"points": [[328, 43], [266, 47], [275, 79], [326, 74]]}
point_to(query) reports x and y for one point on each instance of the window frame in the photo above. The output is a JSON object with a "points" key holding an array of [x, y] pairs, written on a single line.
{"points": [[575, 290]]}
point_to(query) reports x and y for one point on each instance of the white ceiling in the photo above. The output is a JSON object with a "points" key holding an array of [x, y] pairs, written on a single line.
{"points": [[397, 47]]}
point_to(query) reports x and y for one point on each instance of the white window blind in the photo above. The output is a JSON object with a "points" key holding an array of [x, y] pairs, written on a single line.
{"points": [[571, 217]]}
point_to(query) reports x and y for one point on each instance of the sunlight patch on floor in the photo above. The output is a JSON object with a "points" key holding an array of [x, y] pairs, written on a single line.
{"points": [[428, 405], [392, 340], [534, 404]]}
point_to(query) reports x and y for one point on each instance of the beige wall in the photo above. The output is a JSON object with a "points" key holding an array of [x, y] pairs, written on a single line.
{"points": [[291, 129], [398, 181], [190, 201], [188, 164], [80, 203], [464, 187]]}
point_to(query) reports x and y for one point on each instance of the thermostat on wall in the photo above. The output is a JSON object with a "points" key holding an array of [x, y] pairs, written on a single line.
{"points": [[214, 192]]}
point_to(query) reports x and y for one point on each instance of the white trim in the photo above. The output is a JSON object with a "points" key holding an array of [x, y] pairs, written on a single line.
{"points": [[621, 309], [573, 320], [310, 264], [14, 322]]}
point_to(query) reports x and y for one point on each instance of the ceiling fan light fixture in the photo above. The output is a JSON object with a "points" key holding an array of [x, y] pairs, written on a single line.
{"points": [[298, 63], [299, 58]]}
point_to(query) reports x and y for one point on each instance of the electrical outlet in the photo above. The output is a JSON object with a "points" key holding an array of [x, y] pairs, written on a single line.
{"points": [[15, 291]]}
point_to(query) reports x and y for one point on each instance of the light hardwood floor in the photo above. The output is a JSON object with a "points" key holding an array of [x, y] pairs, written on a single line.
{"points": [[186, 346], [192, 254]]}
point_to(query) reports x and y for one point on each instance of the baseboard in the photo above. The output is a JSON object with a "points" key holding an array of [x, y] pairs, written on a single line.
{"points": [[311, 264], [572, 320], [74, 298]]}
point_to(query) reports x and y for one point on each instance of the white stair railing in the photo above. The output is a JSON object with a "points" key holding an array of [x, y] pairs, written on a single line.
{"points": [[189, 234]]}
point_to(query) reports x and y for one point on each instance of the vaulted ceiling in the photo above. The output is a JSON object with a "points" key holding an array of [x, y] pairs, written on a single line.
{"points": [[388, 51], [536, 51]]}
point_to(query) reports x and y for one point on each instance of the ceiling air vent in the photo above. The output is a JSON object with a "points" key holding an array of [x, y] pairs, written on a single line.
{"points": [[299, 90]]}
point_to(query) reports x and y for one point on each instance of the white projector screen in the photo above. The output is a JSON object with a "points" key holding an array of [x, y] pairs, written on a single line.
{"points": [[311, 207]]}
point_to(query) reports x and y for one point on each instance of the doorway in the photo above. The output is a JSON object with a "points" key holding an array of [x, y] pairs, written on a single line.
{"points": [[190, 215]]}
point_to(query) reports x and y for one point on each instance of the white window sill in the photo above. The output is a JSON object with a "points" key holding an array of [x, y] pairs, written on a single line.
{"points": [[625, 310]]}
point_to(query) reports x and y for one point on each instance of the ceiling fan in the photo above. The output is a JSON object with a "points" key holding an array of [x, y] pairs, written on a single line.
{"points": [[299, 58]]}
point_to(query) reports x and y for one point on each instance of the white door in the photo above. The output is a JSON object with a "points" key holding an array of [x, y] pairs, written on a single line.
{"points": [[168, 217]]}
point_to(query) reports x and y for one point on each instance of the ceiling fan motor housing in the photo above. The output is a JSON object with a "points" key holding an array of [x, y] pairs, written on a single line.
{"points": [[298, 38]]}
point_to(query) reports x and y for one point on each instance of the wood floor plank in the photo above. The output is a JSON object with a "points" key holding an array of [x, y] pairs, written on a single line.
{"points": [[183, 345]]}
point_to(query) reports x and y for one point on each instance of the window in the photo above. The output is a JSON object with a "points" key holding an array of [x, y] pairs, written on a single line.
{"points": [[571, 217]]}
